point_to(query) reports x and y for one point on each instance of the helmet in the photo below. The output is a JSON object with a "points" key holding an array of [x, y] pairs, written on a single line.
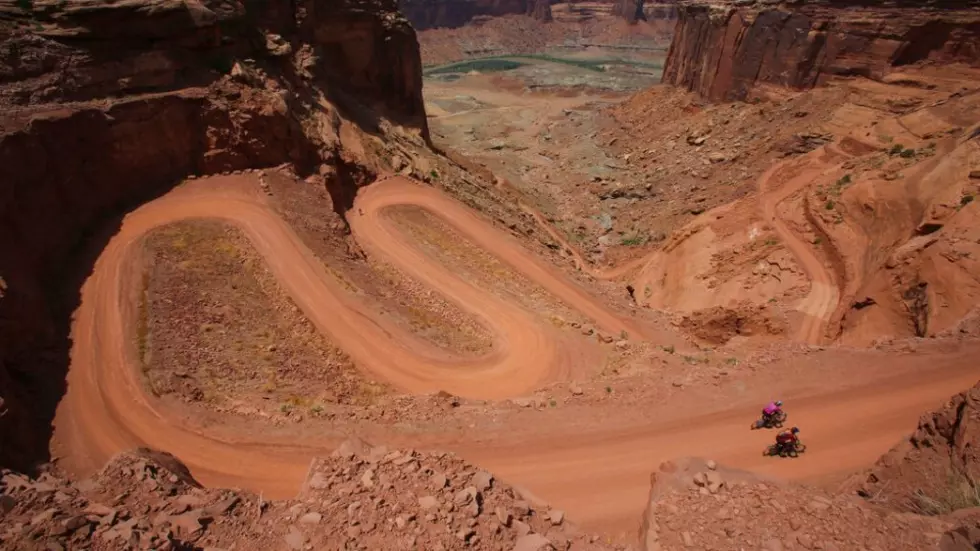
{"points": [[795, 430], [779, 403]]}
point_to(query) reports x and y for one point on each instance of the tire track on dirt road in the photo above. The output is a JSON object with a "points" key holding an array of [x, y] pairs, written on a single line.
{"points": [[598, 473], [821, 301], [105, 387]]}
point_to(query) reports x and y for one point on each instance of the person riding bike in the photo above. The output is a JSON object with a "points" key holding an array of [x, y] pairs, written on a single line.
{"points": [[787, 439], [772, 410]]}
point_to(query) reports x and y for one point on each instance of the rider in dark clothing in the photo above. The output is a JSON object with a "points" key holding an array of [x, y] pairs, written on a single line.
{"points": [[787, 439]]}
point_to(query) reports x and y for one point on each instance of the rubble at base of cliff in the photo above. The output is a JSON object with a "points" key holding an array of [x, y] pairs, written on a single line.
{"points": [[700, 505], [362, 497]]}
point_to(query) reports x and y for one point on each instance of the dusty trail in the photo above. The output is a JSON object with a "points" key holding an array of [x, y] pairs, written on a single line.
{"points": [[844, 431], [597, 473], [104, 386], [824, 295]]}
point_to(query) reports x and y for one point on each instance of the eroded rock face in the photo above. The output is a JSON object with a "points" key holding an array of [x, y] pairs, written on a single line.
{"points": [[539, 9], [431, 14], [936, 466], [106, 103], [723, 49], [630, 10]]}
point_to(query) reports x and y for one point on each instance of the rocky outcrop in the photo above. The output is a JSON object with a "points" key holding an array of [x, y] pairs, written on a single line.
{"points": [[431, 14], [362, 497], [630, 10], [540, 10], [697, 504], [723, 49], [936, 469], [962, 538], [106, 103], [663, 10]]}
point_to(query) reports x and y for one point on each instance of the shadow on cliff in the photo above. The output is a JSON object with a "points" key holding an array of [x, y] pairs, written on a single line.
{"points": [[43, 307]]}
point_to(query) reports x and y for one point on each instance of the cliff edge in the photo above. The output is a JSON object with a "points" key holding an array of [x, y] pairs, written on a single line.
{"points": [[105, 104], [721, 50]]}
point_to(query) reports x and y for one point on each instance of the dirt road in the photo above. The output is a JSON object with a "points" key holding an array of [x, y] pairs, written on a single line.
{"points": [[598, 473], [824, 295]]}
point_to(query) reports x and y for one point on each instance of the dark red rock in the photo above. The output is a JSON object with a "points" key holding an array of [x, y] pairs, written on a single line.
{"points": [[431, 14], [630, 10], [722, 50], [105, 104]]}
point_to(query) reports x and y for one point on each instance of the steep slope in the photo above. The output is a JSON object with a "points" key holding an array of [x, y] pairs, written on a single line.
{"points": [[107, 103], [936, 469], [723, 49]]}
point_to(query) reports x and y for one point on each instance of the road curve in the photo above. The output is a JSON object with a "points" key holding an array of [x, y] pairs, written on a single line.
{"points": [[597, 473], [105, 405], [824, 295]]}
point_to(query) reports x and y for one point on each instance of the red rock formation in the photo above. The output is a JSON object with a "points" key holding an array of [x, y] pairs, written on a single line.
{"points": [[539, 9], [665, 10], [936, 464], [431, 14], [721, 50], [104, 103], [630, 10]]}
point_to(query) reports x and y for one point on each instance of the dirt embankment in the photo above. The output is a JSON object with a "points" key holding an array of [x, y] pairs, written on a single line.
{"points": [[722, 50], [97, 117], [936, 469]]}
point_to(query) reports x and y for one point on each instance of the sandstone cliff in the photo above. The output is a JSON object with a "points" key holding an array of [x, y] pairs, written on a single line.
{"points": [[431, 14], [722, 49], [630, 10], [106, 103]]}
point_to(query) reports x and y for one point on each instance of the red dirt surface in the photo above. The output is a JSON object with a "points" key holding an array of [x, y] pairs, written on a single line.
{"points": [[848, 218], [104, 360]]}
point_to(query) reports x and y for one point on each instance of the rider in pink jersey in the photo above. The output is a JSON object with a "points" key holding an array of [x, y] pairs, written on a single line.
{"points": [[772, 409]]}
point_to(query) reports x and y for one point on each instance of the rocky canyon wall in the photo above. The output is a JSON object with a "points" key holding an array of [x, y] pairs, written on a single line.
{"points": [[104, 104], [432, 14], [722, 49]]}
